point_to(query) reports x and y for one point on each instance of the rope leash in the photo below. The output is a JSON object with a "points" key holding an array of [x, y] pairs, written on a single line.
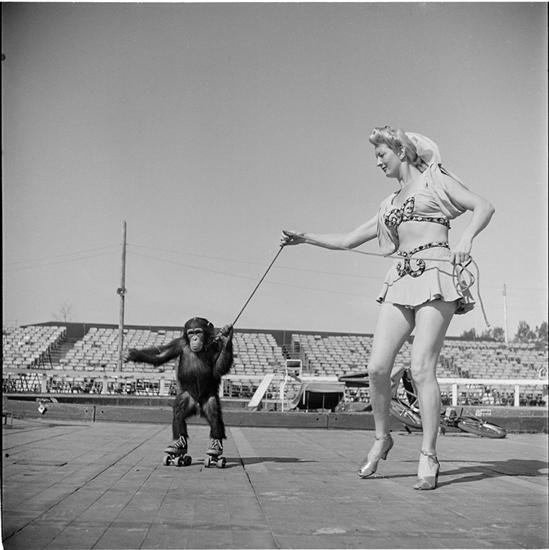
{"points": [[464, 278], [257, 286], [465, 284]]}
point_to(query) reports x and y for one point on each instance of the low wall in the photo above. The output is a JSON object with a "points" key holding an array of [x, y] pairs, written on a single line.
{"points": [[126, 400], [154, 410]]}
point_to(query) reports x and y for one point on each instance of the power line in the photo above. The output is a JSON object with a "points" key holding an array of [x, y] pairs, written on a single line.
{"points": [[47, 264], [61, 255], [303, 269], [245, 277]]}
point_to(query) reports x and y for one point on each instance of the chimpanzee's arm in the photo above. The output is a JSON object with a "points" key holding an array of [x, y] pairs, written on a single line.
{"points": [[156, 355], [224, 360]]}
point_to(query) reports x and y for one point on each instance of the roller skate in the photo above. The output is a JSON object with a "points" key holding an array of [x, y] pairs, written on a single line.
{"points": [[213, 455], [176, 453]]}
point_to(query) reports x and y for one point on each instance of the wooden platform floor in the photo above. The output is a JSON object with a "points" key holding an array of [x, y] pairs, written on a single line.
{"points": [[80, 485]]}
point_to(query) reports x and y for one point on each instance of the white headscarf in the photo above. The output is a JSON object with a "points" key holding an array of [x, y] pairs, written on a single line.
{"points": [[426, 148], [434, 174]]}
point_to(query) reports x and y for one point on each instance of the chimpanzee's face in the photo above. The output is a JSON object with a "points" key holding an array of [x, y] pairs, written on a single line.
{"points": [[196, 339]]}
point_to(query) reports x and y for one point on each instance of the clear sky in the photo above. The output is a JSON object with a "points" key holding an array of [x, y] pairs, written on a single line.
{"points": [[210, 127]]}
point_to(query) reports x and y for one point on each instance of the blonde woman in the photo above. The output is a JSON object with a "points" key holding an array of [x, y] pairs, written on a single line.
{"points": [[420, 290]]}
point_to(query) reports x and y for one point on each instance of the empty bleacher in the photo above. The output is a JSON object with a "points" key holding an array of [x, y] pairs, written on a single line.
{"points": [[30, 347], [333, 355], [99, 349], [485, 359], [337, 355], [257, 353]]}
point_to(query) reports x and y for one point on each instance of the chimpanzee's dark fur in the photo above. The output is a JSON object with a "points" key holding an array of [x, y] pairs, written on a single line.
{"points": [[198, 374]]}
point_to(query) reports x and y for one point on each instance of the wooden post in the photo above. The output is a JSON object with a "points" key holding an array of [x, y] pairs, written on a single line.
{"points": [[505, 320], [517, 395], [454, 394], [122, 293], [221, 390]]}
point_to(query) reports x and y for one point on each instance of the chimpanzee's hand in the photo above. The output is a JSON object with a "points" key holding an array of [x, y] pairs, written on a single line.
{"points": [[226, 333], [129, 355]]}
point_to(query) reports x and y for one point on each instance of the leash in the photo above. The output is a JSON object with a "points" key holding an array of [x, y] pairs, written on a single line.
{"points": [[257, 286], [464, 278]]}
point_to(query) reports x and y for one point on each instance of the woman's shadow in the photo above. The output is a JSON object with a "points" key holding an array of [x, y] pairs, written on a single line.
{"points": [[493, 468]]}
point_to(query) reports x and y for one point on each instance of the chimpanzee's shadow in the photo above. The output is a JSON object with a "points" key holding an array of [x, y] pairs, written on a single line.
{"points": [[260, 459], [233, 462]]}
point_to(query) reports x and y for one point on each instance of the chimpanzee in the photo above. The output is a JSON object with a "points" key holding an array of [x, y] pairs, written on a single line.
{"points": [[203, 359]]}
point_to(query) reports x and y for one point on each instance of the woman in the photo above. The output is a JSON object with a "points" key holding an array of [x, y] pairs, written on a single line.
{"points": [[420, 290]]}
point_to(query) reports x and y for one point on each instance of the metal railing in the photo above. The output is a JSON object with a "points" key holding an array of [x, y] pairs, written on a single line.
{"points": [[516, 384], [46, 380]]}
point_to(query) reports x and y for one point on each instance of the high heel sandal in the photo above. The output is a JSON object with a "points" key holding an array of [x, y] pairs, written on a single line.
{"points": [[369, 466], [428, 483]]}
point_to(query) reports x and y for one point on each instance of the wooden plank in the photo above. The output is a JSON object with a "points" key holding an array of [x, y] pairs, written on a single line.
{"points": [[260, 392]]}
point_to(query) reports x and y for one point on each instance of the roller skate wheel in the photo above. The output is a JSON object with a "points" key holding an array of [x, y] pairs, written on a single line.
{"points": [[221, 462], [187, 460], [179, 461], [166, 460], [207, 461]]}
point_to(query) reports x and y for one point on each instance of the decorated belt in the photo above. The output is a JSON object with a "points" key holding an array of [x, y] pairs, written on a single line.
{"points": [[405, 268]]}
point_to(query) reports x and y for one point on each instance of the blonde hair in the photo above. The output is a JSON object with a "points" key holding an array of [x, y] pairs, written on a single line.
{"points": [[398, 142]]}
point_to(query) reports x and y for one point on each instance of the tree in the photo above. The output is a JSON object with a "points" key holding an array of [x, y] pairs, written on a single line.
{"points": [[64, 313], [541, 333], [524, 332], [470, 334], [495, 334], [498, 334]]}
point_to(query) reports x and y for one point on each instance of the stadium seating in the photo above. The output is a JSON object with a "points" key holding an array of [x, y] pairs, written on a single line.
{"points": [[99, 349], [339, 355], [30, 347], [256, 353], [259, 353], [483, 359]]}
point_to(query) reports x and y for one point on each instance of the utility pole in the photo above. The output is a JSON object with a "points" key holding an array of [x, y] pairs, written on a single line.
{"points": [[121, 291], [505, 315]]}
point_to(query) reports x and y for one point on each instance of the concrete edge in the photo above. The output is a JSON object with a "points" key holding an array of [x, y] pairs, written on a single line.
{"points": [[526, 421]]}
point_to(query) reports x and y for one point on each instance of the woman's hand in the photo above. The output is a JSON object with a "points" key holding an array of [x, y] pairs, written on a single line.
{"points": [[291, 237], [461, 253]]}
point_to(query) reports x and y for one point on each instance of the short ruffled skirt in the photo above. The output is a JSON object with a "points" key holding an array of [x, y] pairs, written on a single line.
{"points": [[411, 282]]}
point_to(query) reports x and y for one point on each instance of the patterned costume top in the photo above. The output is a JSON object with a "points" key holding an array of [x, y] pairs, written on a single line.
{"points": [[430, 204], [419, 207]]}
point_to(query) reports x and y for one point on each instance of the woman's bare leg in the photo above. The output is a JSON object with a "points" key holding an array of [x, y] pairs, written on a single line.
{"points": [[394, 325], [432, 321]]}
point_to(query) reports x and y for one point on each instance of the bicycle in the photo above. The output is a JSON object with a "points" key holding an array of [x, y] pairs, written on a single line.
{"points": [[408, 412]]}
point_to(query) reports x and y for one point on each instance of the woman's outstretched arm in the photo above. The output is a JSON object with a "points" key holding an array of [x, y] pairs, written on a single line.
{"points": [[334, 241]]}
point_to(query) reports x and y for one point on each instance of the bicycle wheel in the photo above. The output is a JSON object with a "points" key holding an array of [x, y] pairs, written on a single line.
{"points": [[405, 414], [481, 428]]}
